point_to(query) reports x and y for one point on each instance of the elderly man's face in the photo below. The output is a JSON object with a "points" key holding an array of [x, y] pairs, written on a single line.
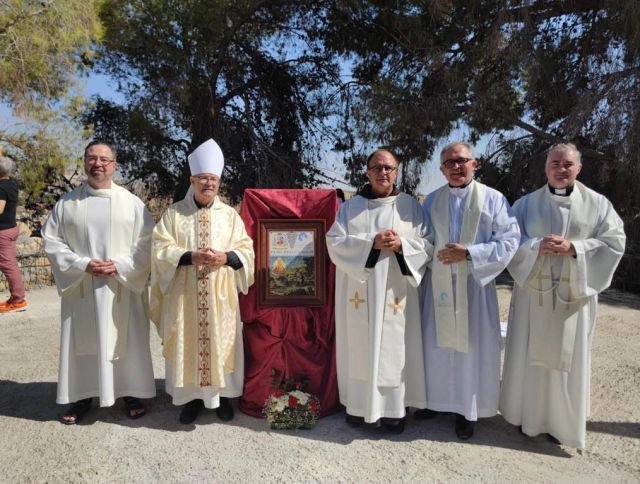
{"points": [[382, 172], [562, 168], [458, 165], [99, 165], [205, 187]]}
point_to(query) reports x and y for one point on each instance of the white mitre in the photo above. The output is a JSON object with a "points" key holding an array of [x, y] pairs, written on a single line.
{"points": [[206, 158]]}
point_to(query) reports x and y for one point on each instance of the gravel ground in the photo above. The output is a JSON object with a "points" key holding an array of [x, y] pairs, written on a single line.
{"points": [[108, 447]]}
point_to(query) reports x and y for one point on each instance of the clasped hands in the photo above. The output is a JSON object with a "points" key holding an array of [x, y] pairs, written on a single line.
{"points": [[101, 268], [452, 254], [556, 245], [387, 240], [208, 257]]}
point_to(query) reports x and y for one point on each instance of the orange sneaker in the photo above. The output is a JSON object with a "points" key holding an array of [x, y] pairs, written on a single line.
{"points": [[9, 306]]}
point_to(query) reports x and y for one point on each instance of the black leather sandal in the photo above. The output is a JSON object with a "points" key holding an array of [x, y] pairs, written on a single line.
{"points": [[76, 412], [132, 404]]}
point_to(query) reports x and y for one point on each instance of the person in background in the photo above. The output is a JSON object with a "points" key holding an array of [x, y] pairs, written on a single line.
{"points": [[9, 232]]}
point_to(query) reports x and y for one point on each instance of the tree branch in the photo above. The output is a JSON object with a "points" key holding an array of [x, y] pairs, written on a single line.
{"points": [[590, 152]]}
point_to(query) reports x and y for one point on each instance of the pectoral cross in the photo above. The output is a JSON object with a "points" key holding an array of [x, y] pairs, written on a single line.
{"points": [[395, 306], [540, 278], [356, 300], [570, 294]]}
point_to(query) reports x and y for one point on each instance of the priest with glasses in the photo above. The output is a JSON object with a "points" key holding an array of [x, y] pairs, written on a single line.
{"points": [[475, 237]]}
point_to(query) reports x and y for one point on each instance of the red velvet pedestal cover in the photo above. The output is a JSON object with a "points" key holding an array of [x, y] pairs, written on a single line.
{"points": [[297, 341]]}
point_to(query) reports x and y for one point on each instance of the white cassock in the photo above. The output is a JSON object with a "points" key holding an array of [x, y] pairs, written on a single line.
{"points": [[546, 377], [378, 350], [104, 348], [196, 308], [463, 369]]}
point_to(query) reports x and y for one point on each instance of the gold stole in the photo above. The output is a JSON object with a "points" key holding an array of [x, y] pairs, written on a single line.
{"points": [[203, 299], [553, 307], [452, 315], [392, 346], [216, 310]]}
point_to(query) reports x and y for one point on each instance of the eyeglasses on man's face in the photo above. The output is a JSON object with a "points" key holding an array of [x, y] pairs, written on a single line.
{"points": [[453, 162], [567, 165], [382, 168], [203, 179], [98, 160]]}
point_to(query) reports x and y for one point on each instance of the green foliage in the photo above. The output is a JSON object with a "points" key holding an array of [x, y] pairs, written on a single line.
{"points": [[245, 73], [42, 43]]}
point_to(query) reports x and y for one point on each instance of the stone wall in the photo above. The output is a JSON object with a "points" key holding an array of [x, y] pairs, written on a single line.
{"points": [[35, 267]]}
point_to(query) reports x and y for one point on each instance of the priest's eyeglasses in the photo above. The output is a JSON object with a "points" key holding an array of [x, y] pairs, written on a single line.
{"points": [[559, 165], [98, 160], [453, 162], [382, 168], [203, 179]]}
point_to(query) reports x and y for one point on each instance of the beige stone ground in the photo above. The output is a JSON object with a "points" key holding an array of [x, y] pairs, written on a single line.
{"points": [[108, 447]]}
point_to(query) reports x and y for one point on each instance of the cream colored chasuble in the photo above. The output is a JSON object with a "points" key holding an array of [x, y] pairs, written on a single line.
{"points": [[452, 314], [121, 242], [554, 302], [392, 350], [196, 306]]}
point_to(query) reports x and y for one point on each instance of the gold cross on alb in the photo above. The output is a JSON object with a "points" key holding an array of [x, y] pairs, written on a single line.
{"points": [[396, 306], [356, 300], [539, 278]]}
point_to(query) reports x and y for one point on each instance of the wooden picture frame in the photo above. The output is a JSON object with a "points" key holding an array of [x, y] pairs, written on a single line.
{"points": [[291, 262]]}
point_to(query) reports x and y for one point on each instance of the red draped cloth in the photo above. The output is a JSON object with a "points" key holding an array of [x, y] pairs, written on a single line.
{"points": [[296, 341]]}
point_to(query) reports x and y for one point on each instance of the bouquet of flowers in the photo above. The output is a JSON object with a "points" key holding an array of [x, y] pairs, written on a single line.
{"points": [[289, 406]]}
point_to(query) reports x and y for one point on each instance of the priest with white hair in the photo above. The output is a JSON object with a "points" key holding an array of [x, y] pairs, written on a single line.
{"points": [[475, 236], [572, 241], [201, 257]]}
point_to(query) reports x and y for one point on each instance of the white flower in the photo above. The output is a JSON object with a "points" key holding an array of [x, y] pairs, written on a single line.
{"points": [[302, 397]]}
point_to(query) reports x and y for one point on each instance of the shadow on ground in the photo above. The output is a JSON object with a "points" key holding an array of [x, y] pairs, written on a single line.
{"points": [[36, 401]]}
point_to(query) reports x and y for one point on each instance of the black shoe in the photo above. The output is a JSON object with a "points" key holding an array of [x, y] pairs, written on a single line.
{"points": [[225, 410], [425, 414], [393, 425], [190, 411], [464, 427], [354, 421], [551, 438]]}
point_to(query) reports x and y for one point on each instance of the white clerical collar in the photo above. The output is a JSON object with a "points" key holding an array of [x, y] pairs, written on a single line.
{"points": [[99, 192], [459, 192], [563, 192]]}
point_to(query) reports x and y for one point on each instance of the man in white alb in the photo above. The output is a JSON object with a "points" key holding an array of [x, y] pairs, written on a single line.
{"points": [[475, 236], [572, 241], [98, 238], [201, 257], [379, 246]]}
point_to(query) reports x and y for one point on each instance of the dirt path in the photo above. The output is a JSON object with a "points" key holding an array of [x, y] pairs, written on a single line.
{"points": [[108, 447]]}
